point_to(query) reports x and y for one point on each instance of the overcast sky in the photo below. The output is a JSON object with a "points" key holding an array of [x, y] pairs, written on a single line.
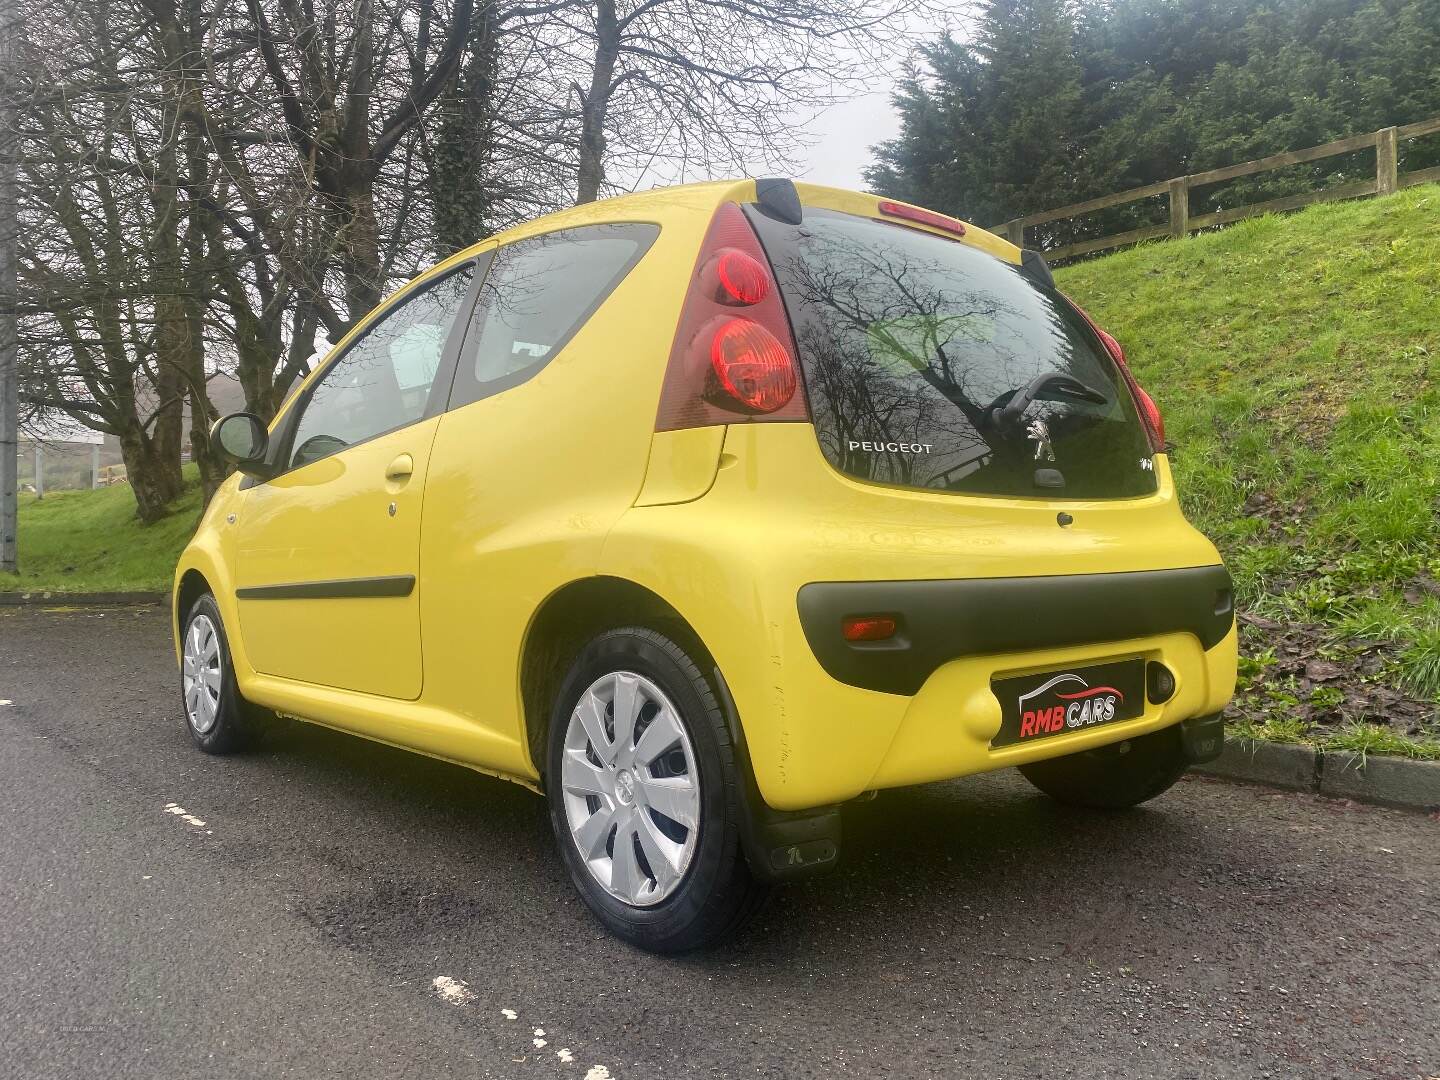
{"points": [[844, 134]]}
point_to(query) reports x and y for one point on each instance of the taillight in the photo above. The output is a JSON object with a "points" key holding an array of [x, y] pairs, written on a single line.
{"points": [[734, 356], [1149, 411], [742, 279], [750, 366]]}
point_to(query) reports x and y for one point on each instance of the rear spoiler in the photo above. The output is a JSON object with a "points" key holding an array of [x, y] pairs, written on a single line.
{"points": [[1034, 267]]}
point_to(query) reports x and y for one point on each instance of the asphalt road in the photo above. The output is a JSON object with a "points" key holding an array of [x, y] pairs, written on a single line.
{"points": [[292, 918]]}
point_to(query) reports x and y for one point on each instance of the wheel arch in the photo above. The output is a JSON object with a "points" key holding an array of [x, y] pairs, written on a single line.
{"points": [[192, 585], [202, 570], [189, 587], [571, 616], [777, 845]]}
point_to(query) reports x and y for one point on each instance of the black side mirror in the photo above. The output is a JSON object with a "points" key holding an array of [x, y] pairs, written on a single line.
{"points": [[243, 441]]}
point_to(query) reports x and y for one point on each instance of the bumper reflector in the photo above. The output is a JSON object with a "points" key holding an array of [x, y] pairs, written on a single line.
{"points": [[867, 627]]}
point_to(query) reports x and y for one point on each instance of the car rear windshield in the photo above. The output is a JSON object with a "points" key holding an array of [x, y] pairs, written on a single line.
{"points": [[930, 364]]}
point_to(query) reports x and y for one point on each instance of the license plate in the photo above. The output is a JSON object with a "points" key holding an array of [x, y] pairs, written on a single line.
{"points": [[1055, 703]]}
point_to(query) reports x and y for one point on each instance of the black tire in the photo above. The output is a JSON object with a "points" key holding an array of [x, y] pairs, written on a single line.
{"points": [[717, 893], [1114, 777], [236, 722]]}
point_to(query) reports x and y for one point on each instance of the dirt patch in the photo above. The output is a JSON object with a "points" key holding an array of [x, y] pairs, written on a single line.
{"points": [[1306, 673]]}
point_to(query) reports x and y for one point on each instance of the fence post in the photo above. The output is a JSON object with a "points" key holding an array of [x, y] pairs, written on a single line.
{"points": [[1179, 207], [94, 465], [1387, 162], [39, 470], [1015, 233]]}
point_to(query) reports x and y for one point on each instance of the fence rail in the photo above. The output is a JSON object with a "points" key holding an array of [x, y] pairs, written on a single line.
{"points": [[1388, 180]]}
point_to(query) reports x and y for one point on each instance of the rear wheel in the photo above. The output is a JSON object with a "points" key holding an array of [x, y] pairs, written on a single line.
{"points": [[1113, 777], [219, 719], [644, 795]]}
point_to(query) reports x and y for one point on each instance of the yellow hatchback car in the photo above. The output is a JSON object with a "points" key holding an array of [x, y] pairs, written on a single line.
{"points": [[705, 511]]}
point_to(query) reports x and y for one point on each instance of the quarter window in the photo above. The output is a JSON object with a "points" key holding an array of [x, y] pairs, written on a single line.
{"points": [[384, 380], [538, 294]]}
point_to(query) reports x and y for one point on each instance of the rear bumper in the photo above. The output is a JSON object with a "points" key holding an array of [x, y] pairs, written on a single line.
{"points": [[939, 620], [948, 725]]}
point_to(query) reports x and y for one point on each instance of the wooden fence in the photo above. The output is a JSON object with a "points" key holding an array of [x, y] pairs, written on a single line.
{"points": [[1388, 180]]}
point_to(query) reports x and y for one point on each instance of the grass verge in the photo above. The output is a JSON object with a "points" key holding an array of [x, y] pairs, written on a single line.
{"points": [[1296, 359], [91, 541]]}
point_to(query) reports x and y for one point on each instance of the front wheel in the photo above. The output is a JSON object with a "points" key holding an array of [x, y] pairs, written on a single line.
{"points": [[219, 719], [1113, 777], [644, 795]]}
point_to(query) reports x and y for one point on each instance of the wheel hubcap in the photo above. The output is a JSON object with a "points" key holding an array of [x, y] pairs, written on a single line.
{"points": [[630, 788], [201, 672]]}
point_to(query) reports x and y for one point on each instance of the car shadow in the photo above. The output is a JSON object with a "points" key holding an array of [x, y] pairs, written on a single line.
{"points": [[978, 858]]}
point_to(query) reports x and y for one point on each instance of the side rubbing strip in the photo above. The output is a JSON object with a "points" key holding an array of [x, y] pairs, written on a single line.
{"points": [[345, 589]]}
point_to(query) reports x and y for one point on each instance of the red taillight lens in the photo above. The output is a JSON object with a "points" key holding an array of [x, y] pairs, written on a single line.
{"points": [[751, 366], [1149, 411], [867, 627], [727, 367], [742, 279], [923, 217]]}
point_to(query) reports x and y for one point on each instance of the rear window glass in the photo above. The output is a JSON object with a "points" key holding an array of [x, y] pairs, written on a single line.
{"points": [[913, 346], [538, 293]]}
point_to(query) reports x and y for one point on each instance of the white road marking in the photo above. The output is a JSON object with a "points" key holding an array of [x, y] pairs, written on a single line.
{"points": [[6, 701], [598, 1072], [509, 1014], [539, 1043], [565, 1055], [184, 815], [539, 1031], [453, 990]]}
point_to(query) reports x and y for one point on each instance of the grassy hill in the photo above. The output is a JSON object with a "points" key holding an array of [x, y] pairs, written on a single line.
{"points": [[1297, 363], [1295, 359], [91, 541]]}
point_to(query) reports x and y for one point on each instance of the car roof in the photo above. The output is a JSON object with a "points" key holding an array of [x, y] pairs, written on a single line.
{"points": [[663, 204], [652, 205]]}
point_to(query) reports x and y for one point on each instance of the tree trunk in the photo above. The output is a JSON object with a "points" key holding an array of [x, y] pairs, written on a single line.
{"points": [[596, 104], [358, 236], [154, 485], [464, 144]]}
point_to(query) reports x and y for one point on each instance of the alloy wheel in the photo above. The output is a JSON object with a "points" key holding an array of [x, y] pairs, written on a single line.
{"points": [[202, 671]]}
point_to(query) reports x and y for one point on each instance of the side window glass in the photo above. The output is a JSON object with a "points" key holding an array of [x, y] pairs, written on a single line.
{"points": [[538, 293], [385, 379]]}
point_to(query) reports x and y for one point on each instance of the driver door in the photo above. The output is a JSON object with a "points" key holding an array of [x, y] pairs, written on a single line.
{"points": [[328, 551]]}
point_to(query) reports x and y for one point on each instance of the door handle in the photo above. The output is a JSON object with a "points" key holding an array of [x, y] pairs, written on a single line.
{"points": [[400, 469]]}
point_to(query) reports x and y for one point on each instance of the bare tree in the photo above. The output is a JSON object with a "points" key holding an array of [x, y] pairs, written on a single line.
{"points": [[111, 332], [363, 76], [706, 86], [209, 187]]}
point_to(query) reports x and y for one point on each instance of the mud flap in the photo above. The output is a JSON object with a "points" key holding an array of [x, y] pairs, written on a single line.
{"points": [[779, 845], [1202, 738]]}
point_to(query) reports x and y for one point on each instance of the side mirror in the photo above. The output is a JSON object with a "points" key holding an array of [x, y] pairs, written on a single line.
{"points": [[243, 441]]}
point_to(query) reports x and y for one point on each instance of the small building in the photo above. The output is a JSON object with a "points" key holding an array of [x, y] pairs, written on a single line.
{"points": [[71, 461]]}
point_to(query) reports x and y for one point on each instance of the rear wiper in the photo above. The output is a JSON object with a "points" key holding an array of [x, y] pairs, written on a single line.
{"points": [[1049, 382]]}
